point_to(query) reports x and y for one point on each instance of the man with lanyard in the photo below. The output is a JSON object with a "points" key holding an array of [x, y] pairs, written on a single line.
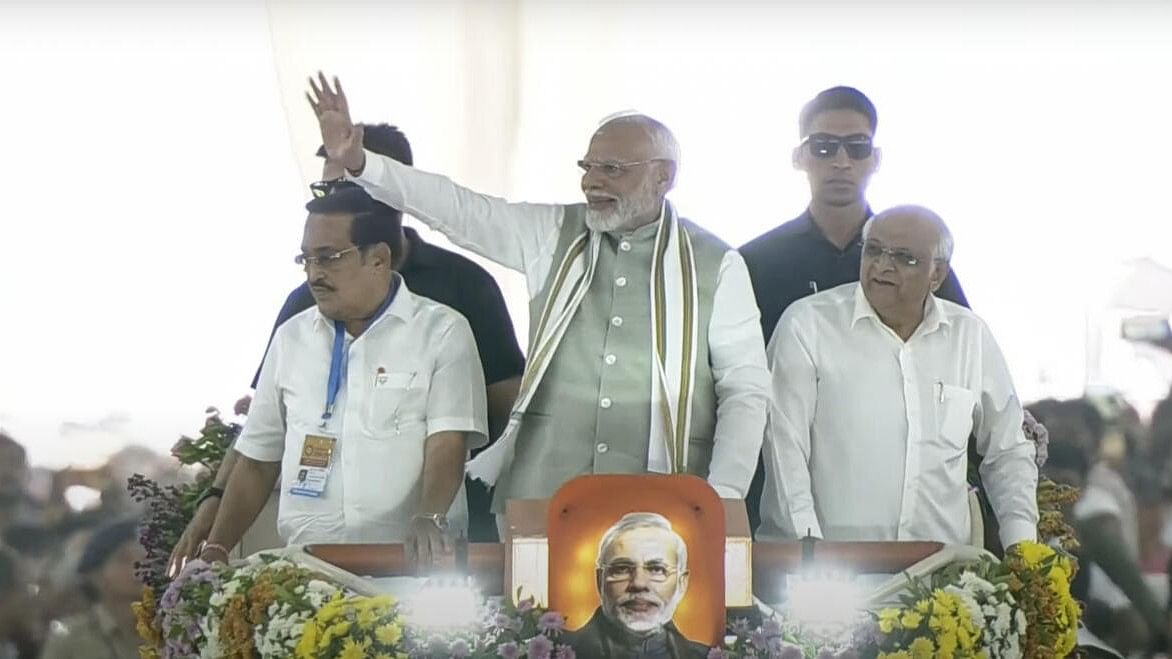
{"points": [[434, 273], [822, 247], [377, 394], [645, 349]]}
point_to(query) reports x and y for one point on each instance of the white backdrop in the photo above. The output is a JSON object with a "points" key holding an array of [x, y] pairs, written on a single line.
{"points": [[157, 158]]}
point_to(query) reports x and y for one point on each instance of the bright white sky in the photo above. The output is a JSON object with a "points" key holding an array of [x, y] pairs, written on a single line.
{"points": [[157, 159]]}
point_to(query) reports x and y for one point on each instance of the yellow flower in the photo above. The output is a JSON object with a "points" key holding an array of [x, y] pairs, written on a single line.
{"points": [[902, 654], [911, 620], [352, 650], [1033, 553], [383, 655], [922, 648], [336, 630], [388, 634], [366, 618], [308, 644], [946, 645]]}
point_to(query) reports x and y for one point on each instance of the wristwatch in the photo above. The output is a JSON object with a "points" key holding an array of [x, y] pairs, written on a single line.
{"points": [[439, 519]]}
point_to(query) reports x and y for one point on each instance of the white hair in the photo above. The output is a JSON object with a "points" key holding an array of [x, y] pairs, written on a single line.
{"points": [[663, 142], [943, 249], [632, 521]]}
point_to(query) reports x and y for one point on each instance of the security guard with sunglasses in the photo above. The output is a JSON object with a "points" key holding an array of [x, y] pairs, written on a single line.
{"points": [[822, 247]]}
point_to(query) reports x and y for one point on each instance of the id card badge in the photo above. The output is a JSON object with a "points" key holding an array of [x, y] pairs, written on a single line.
{"points": [[317, 454]]}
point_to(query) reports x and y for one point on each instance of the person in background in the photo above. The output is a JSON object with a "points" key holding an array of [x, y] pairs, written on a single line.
{"points": [[1121, 608], [107, 629], [822, 247]]}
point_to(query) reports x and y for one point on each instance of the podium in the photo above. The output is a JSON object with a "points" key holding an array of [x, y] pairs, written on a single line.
{"points": [[751, 568]]}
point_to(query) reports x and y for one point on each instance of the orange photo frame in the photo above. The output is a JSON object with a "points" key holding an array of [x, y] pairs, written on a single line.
{"points": [[581, 512]]}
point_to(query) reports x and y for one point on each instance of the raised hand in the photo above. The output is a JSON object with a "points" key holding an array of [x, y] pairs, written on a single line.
{"points": [[342, 139]]}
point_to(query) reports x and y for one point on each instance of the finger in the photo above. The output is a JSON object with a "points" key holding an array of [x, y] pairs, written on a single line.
{"points": [[445, 543], [343, 104], [316, 113], [327, 93], [409, 547], [317, 92]]}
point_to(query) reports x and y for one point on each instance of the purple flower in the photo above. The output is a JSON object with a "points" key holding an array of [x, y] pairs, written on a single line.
{"points": [[539, 647], [524, 605], [564, 652], [500, 621], [508, 650], [771, 627], [717, 653], [740, 626], [849, 653], [825, 654], [551, 621], [460, 648]]}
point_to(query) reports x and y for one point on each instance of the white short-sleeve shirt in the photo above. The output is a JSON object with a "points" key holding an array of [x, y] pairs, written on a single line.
{"points": [[413, 373]]}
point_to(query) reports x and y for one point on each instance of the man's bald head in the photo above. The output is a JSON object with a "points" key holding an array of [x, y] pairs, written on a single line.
{"points": [[916, 220], [643, 138]]}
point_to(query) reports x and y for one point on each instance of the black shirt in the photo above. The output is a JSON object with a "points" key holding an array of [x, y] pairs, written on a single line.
{"points": [[795, 260], [456, 281]]}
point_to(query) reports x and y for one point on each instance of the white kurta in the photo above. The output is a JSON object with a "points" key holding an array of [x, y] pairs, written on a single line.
{"points": [[867, 438], [430, 382], [524, 236]]}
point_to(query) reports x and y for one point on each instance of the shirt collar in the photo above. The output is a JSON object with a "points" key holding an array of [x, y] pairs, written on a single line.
{"points": [[934, 316], [402, 306]]}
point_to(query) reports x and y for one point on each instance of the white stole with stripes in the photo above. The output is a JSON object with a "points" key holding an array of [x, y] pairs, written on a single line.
{"points": [[674, 332]]}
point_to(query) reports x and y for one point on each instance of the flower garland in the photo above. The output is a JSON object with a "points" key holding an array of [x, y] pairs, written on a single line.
{"points": [[1019, 608], [268, 607]]}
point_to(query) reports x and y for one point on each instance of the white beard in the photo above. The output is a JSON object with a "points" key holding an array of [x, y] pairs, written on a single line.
{"points": [[626, 209], [641, 625]]}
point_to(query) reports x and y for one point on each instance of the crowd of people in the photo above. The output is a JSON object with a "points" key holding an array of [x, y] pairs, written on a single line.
{"points": [[829, 373]]}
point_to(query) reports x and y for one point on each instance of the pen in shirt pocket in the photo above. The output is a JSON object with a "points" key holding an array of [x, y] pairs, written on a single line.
{"points": [[940, 390]]}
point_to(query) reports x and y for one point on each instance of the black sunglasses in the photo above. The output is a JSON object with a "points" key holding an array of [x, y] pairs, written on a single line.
{"points": [[825, 145], [323, 188]]}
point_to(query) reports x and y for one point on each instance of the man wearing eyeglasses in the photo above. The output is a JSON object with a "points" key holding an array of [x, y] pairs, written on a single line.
{"points": [[645, 349], [366, 404], [821, 248], [877, 386], [642, 577], [432, 272]]}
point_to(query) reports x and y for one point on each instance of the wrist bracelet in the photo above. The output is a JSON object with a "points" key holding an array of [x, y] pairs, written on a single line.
{"points": [[215, 546], [212, 492]]}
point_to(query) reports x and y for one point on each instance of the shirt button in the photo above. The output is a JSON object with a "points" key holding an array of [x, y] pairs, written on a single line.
{"points": [[604, 403], [617, 321], [620, 282], [610, 360], [602, 447], [625, 246]]}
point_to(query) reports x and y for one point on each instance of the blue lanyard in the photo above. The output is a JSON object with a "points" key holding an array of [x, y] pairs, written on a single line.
{"points": [[338, 359]]}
